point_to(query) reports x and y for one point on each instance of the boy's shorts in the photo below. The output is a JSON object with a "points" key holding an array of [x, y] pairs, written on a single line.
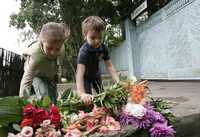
{"points": [[93, 83]]}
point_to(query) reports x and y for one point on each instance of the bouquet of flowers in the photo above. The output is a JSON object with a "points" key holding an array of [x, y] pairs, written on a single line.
{"points": [[38, 117], [97, 120], [145, 115], [132, 109], [115, 108]]}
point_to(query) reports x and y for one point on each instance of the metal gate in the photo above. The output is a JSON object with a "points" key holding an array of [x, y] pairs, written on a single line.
{"points": [[11, 71]]}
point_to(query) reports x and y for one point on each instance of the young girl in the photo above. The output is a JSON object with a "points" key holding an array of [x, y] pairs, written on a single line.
{"points": [[41, 63], [91, 52]]}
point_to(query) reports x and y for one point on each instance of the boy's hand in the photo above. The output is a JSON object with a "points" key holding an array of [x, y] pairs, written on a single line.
{"points": [[87, 98]]}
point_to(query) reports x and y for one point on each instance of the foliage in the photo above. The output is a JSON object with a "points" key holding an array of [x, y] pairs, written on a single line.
{"points": [[72, 12], [10, 110], [112, 97], [113, 35], [163, 107]]}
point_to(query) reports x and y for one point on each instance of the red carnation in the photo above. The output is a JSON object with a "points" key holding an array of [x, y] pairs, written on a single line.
{"points": [[55, 116], [28, 111], [40, 116], [26, 122]]}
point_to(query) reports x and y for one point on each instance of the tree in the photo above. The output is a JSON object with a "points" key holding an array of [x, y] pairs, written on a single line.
{"points": [[71, 12]]}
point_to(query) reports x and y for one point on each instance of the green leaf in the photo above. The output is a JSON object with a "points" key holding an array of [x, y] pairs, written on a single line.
{"points": [[46, 102], [25, 101], [10, 110], [34, 103], [39, 103]]}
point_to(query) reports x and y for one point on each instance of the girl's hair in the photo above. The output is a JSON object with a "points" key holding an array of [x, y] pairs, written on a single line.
{"points": [[53, 31], [92, 23]]}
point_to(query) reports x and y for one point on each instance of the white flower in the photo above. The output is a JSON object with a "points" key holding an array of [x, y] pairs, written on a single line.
{"points": [[137, 110], [58, 133], [27, 131], [133, 79], [45, 123], [73, 117], [11, 135]]}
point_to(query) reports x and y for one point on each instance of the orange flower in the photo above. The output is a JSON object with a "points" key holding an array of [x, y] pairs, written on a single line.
{"points": [[138, 91]]}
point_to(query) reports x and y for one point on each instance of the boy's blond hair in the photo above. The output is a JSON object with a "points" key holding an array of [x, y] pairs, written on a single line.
{"points": [[53, 31], [92, 23]]}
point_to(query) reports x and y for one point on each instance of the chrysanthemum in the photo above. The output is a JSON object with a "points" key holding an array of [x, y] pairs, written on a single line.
{"points": [[162, 130]]}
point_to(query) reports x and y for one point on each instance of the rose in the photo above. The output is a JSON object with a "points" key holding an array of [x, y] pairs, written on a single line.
{"points": [[40, 116], [55, 119], [26, 122], [54, 109], [28, 111], [55, 116]]}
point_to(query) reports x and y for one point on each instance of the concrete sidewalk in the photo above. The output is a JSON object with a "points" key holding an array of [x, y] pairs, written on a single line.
{"points": [[184, 95], [185, 99]]}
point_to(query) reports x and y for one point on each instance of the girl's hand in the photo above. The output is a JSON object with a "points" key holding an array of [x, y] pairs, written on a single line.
{"points": [[87, 98]]}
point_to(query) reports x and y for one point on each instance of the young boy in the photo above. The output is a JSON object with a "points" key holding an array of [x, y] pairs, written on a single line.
{"points": [[91, 52], [41, 63]]}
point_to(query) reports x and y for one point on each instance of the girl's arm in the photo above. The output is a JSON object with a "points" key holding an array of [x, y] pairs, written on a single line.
{"points": [[27, 79], [111, 70]]}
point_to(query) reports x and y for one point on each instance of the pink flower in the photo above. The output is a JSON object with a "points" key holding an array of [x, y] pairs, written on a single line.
{"points": [[103, 129], [98, 110], [53, 133], [45, 123], [82, 114], [73, 133], [90, 124], [27, 132], [110, 124]]}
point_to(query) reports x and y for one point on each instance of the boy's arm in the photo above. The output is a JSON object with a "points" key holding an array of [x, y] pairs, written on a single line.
{"points": [[79, 78], [111, 70], [87, 98]]}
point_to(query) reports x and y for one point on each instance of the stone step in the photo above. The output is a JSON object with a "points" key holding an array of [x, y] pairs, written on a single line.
{"points": [[122, 75]]}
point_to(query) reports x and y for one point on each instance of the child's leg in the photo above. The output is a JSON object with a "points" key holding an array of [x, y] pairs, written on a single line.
{"points": [[44, 88], [87, 86], [97, 84]]}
